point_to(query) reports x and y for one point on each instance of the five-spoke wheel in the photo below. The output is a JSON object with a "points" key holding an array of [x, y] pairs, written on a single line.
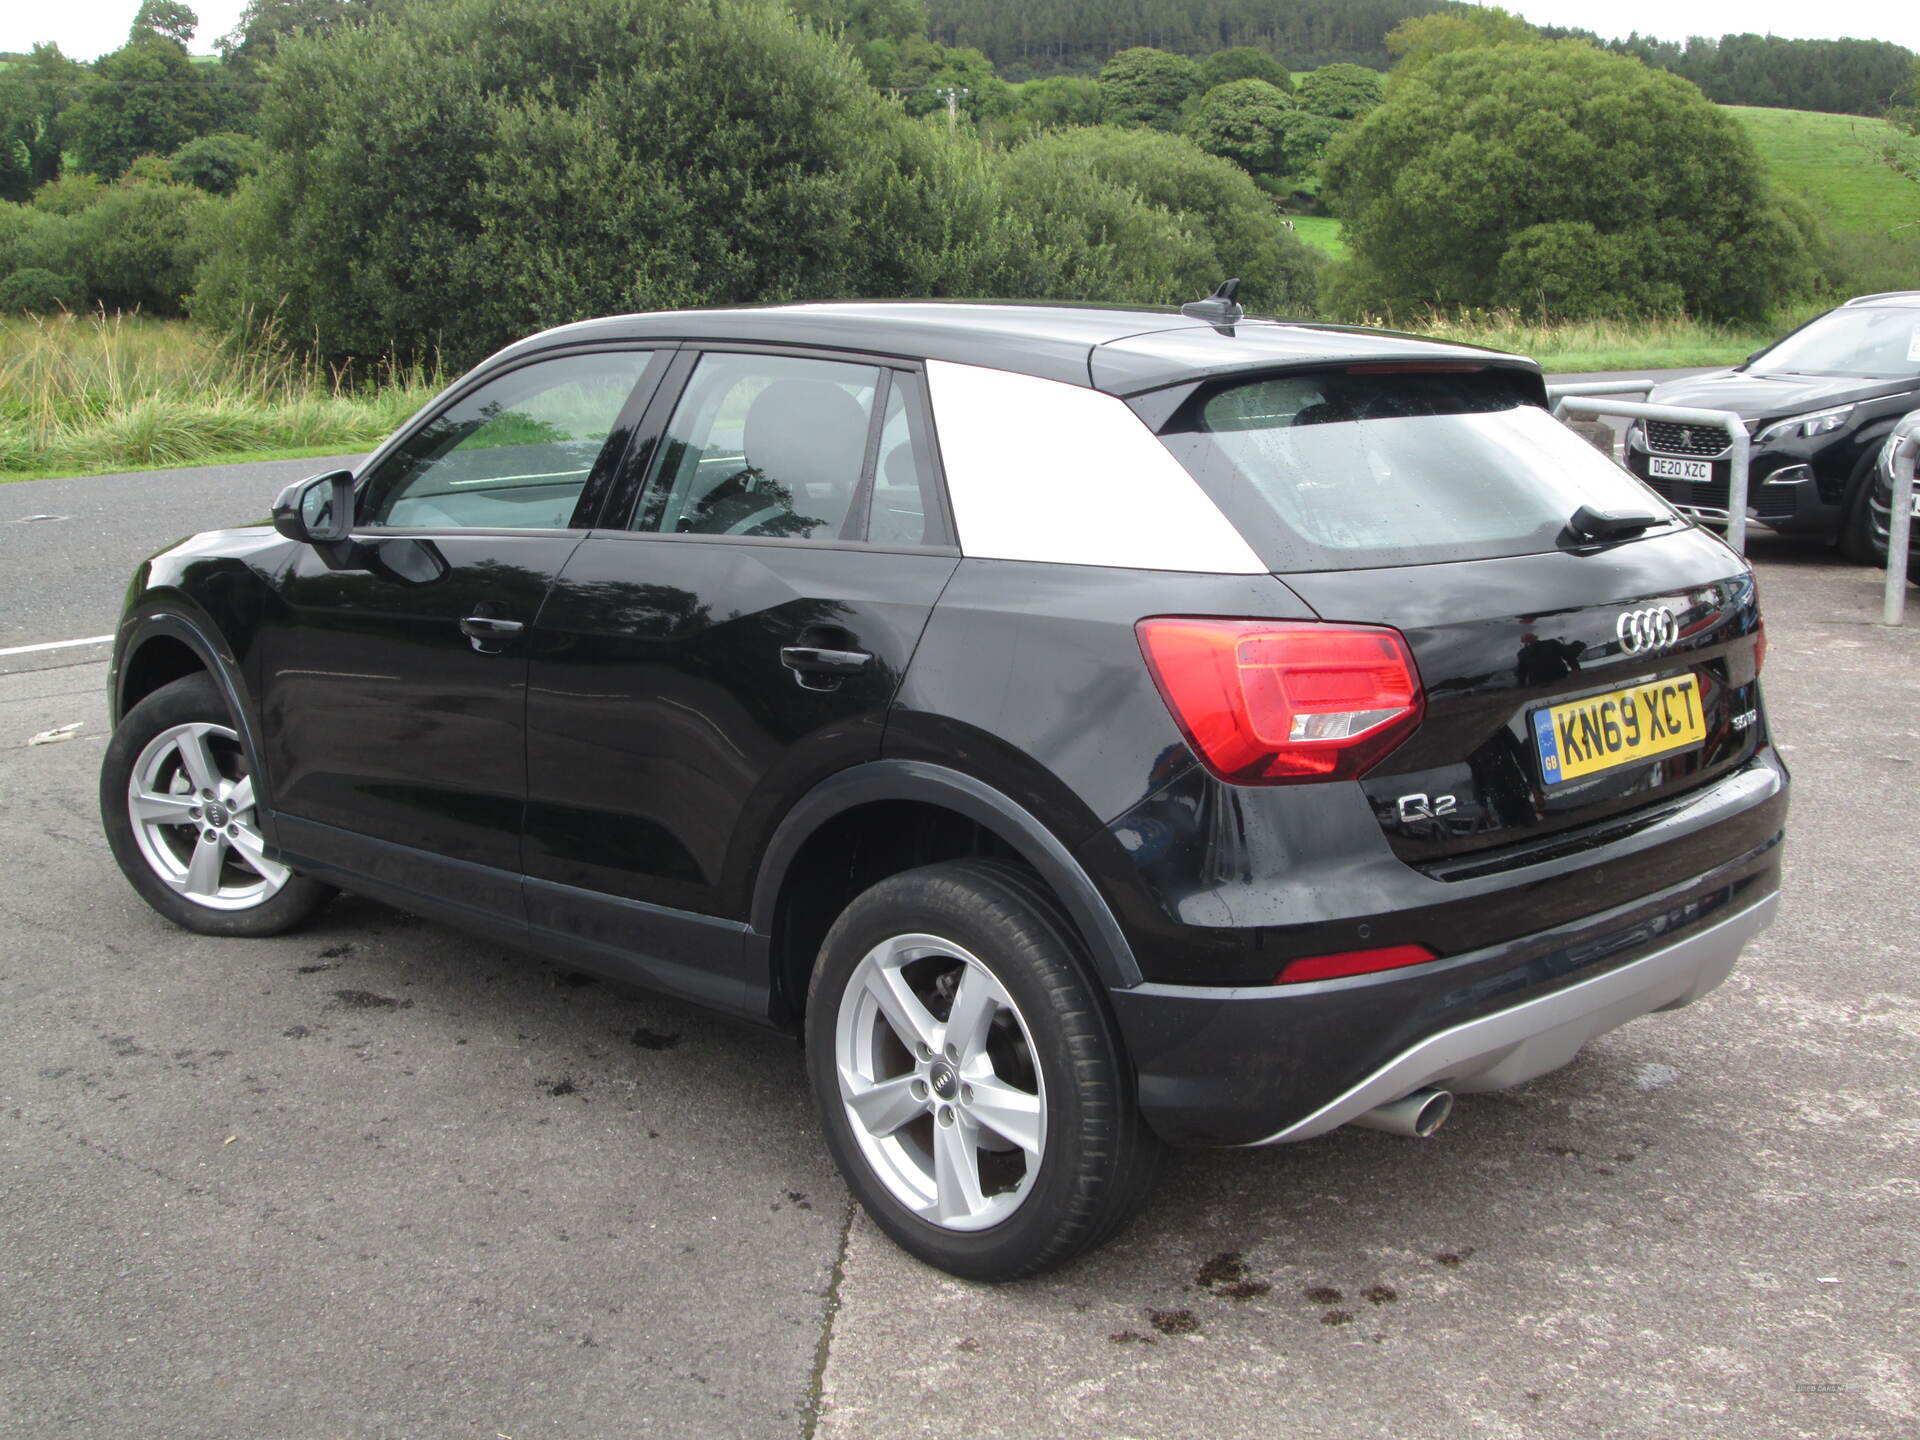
{"points": [[968, 1074], [191, 803], [937, 1076], [178, 799]]}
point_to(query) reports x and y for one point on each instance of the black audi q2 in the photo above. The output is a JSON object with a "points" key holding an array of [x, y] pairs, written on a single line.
{"points": [[1091, 729]]}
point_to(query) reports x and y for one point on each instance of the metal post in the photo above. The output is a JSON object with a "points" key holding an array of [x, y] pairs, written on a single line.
{"points": [[1905, 459], [1739, 446], [1556, 393], [1737, 485]]}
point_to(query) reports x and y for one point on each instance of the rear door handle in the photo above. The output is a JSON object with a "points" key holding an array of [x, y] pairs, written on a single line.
{"points": [[806, 660], [489, 634]]}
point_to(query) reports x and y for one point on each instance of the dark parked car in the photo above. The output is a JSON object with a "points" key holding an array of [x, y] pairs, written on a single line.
{"points": [[1089, 728], [1818, 404]]}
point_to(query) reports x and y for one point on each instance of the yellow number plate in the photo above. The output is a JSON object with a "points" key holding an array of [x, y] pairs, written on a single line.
{"points": [[1583, 737]]}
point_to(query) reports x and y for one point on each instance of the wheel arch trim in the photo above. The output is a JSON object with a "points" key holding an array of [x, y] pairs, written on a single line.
{"points": [[919, 780]]}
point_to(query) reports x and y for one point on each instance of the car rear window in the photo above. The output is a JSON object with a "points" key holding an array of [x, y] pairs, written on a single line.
{"points": [[1373, 466]]}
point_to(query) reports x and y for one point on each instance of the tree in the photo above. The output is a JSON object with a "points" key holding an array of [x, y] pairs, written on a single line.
{"points": [[35, 95], [1243, 121], [1303, 141], [857, 20], [169, 19], [1144, 86], [1053, 35], [1245, 62], [1417, 41], [149, 98], [1445, 188], [927, 76], [216, 163], [1339, 92], [265, 23], [1057, 104]]}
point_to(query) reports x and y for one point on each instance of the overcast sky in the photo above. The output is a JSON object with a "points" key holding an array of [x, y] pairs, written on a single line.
{"points": [[85, 29]]}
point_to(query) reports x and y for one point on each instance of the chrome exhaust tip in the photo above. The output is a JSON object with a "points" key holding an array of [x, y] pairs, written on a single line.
{"points": [[1418, 1114]]}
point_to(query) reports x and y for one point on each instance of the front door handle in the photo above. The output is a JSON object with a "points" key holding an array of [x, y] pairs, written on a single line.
{"points": [[488, 634], [818, 668]]}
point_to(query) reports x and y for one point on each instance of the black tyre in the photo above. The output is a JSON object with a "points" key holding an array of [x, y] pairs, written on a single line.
{"points": [[178, 806], [1855, 539], [969, 1076]]}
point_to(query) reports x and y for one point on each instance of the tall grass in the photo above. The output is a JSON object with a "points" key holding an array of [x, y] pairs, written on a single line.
{"points": [[99, 392], [1570, 346]]}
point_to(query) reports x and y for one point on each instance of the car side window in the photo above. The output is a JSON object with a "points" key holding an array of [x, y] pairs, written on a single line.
{"points": [[771, 446], [513, 454], [904, 509]]}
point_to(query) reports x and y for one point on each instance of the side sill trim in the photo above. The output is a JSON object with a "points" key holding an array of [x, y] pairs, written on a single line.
{"points": [[1514, 1045]]}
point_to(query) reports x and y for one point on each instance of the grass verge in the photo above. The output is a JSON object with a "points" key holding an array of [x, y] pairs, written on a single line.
{"points": [[85, 394]]}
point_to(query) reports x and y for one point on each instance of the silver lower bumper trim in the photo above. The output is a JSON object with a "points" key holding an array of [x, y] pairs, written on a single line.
{"points": [[1512, 1046]]}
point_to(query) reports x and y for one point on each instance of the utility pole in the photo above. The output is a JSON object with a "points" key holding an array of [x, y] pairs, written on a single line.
{"points": [[951, 94]]}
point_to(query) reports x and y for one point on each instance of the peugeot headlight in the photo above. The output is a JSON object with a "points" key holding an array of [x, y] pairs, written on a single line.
{"points": [[1820, 422]]}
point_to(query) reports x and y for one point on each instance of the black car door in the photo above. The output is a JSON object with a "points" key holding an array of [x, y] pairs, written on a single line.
{"points": [[392, 673], [735, 633]]}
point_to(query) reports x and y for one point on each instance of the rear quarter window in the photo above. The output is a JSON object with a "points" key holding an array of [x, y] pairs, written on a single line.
{"points": [[1369, 466]]}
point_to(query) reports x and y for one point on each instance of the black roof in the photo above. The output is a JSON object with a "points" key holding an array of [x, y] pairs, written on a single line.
{"points": [[1113, 348]]}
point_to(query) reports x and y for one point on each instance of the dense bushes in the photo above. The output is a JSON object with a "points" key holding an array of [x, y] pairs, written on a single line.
{"points": [[38, 292], [1558, 178], [129, 247], [439, 186], [437, 183], [1160, 219]]}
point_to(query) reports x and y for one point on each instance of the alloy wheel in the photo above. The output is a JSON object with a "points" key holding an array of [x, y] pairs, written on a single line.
{"points": [[191, 804], [937, 1074]]}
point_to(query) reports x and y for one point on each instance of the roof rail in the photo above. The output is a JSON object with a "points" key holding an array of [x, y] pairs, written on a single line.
{"points": [[1883, 295]]}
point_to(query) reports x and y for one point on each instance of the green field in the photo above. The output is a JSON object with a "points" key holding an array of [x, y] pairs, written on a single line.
{"points": [[1830, 161], [1322, 232]]}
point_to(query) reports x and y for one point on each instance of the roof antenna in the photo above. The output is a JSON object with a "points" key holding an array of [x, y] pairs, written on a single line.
{"points": [[1219, 309]]}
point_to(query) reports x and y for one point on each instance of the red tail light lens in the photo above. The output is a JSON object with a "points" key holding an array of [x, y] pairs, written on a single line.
{"points": [[1352, 962], [1279, 702]]}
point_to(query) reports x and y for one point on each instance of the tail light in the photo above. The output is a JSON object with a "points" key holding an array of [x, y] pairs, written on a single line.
{"points": [[1279, 702]]}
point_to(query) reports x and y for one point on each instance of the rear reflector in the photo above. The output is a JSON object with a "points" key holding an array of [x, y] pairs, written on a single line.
{"points": [[1352, 962], [1278, 702]]}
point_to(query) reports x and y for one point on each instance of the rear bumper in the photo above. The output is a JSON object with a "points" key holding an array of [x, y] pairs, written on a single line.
{"points": [[1512, 1046], [1256, 1066]]}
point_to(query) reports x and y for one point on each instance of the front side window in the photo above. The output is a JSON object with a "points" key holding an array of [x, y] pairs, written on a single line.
{"points": [[767, 446], [513, 454], [1341, 469]]}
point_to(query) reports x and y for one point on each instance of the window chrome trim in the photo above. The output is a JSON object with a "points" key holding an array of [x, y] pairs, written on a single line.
{"points": [[1042, 470]]}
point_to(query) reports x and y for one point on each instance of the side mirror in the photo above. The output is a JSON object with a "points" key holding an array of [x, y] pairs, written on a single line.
{"points": [[316, 511]]}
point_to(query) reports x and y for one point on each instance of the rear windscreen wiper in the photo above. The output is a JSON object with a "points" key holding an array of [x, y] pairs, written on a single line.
{"points": [[1587, 523]]}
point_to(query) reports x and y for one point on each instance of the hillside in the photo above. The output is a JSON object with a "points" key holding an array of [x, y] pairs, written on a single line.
{"points": [[1048, 35], [1828, 160]]}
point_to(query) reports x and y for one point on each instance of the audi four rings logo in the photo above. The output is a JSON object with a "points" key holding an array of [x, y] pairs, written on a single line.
{"points": [[1644, 630]]}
